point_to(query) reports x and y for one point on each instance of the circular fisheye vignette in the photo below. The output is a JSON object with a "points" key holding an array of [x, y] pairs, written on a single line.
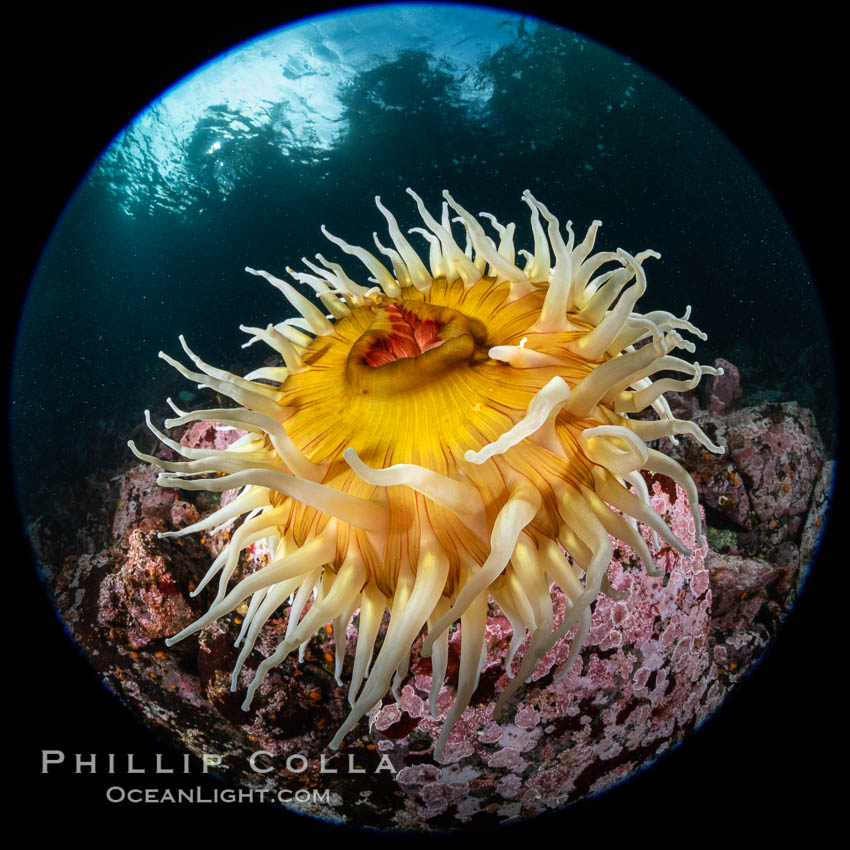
{"points": [[391, 351]]}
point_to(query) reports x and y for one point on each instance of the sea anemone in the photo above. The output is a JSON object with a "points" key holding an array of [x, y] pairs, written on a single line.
{"points": [[446, 436]]}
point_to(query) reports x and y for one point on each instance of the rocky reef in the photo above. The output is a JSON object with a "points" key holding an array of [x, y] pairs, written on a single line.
{"points": [[662, 653]]}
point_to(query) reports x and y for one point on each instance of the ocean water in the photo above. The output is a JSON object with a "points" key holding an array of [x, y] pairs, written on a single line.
{"points": [[240, 164]]}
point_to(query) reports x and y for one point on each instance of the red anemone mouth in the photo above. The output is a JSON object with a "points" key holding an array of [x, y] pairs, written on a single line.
{"points": [[410, 336]]}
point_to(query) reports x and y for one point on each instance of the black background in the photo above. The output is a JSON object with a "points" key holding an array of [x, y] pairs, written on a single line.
{"points": [[771, 756]]}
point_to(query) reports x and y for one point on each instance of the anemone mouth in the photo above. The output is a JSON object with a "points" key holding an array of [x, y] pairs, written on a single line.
{"points": [[409, 344], [410, 336]]}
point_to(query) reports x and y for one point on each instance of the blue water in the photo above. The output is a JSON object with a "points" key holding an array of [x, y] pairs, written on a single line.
{"points": [[241, 162]]}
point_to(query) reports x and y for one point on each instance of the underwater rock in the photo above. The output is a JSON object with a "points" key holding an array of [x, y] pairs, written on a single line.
{"points": [[683, 405], [654, 665], [141, 504], [765, 480], [724, 390], [816, 518], [779, 452], [143, 596], [77, 596], [742, 587], [210, 435], [750, 598], [644, 678], [720, 485], [183, 513], [77, 523]]}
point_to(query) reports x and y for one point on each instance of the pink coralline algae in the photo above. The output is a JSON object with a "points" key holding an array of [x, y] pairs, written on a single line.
{"points": [[210, 435], [643, 679], [660, 655], [725, 388], [142, 596], [777, 451], [767, 500], [763, 483], [142, 504]]}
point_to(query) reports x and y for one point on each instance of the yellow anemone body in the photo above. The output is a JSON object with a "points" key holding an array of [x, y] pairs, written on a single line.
{"points": [[440, 440]]}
